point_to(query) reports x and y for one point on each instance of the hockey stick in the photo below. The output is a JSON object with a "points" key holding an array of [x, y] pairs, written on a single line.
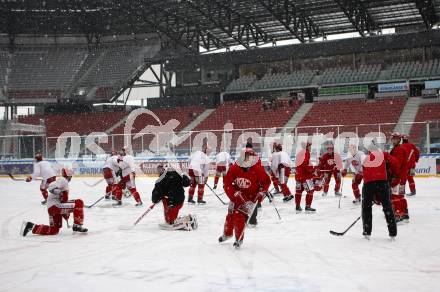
{"points": [[273, 203], [145, 213], [349, 227], [216, 195], [342, 187], [93, 184], [90, 206], [16, 179], [247, 221]]}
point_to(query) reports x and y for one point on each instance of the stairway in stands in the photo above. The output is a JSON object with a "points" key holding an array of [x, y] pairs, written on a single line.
{"points": [[408, 115]]}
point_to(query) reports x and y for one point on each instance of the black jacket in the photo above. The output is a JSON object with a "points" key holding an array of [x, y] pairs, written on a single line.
{"points": [[170, 186]]}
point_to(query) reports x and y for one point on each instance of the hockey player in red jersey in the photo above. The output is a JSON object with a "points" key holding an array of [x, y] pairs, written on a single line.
{"points": [[413, 155], [280, 167], [42, 168], [109, 171], [330, 163], [59, 206], [304, 175], [246, 184], [128, 180], [398, 184]]}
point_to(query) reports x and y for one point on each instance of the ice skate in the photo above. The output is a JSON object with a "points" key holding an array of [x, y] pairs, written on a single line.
{"points": [[288, 198], [26, 227]]}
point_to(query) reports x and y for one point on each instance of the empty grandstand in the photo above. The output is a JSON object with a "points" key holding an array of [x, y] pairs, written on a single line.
{"points": [[314, 85]]}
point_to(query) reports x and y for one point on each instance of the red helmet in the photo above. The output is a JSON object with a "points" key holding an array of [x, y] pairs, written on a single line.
{"points": [[38, 157]]}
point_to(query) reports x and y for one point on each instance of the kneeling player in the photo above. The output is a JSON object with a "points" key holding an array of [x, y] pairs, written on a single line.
{"points": [[246, 184], [169, 190], [59, 206]]}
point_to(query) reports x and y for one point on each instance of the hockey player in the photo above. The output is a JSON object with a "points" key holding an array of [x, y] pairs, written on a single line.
{"points": [[246, 184], [330, 164], [169, 189], [398, 184], [128, 180], [376, 188], [304, 175], [273, 177], [59, 206], [222, 163], [42, 168], [198, 166], [354, 161], [413, 157], [280, 167], [110, 169]]}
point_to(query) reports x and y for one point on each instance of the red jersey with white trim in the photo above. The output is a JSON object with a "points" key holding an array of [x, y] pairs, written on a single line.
{"points": [[413, 154], [304, 170], [330, 162], [400, 154], [249, 182]]}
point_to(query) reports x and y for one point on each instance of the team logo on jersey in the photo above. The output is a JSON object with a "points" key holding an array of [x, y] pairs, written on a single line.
{"points": [[355, 162], [331, 161], [242, 183]]}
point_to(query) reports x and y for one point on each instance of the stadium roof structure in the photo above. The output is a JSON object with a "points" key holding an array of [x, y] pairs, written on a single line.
{"points": [[215, 24]]}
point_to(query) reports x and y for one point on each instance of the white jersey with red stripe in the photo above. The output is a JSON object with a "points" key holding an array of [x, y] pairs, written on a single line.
{"points": [[199, 163], [112, 163], [223, 159], [354, 162], [43, 169], [127, 165], [280, 158], [56, 190]]}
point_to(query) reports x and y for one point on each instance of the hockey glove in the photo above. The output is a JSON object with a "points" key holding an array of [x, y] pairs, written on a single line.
{"points": [[29, 178], [247, 208], [344, 172]]}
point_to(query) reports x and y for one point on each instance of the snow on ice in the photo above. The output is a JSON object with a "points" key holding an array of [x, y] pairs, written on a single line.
{"points": [[294, 254]]}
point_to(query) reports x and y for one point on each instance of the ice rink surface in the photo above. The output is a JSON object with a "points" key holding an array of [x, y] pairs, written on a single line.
{"points": [[294, 254]]}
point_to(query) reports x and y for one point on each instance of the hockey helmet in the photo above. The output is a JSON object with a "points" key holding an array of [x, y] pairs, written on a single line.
{"points": [[38, 157], [67, 173], [248, 158]]}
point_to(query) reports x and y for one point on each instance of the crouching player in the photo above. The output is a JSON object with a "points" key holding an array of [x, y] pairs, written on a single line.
{"points": [[246, 184], [59, 206], [169, 190]]}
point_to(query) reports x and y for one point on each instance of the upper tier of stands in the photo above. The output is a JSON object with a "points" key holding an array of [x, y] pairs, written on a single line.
{"points": [[50, 72], [350, 113], [336, 76], [283, 80], [427, 112]]}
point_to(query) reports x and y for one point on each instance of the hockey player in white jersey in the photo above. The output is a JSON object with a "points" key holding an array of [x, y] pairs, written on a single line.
{"points": [[281, 167], [109, 170], [198, 170], [43, 169], [354, 162], [128, 167], [222, 163], [59, 206]]}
